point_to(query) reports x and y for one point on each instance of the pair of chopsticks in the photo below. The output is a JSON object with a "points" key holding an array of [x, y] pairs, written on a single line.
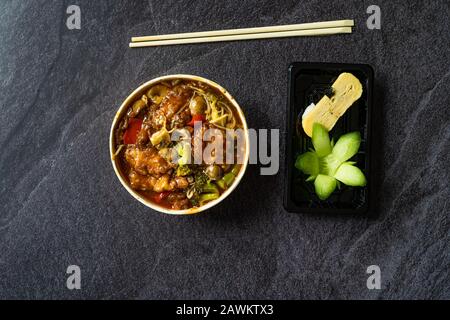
{"points": [[284, 31]]}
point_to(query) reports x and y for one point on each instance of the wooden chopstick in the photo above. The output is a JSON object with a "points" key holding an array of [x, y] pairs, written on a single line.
{"points": [[239, 37], [230, 32]]}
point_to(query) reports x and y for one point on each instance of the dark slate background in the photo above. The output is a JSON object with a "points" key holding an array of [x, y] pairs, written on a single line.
{"points": [[61, 204]]}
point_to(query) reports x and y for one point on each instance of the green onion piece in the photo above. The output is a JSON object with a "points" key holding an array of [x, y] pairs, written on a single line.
{"points": [[210, 188], [236, 170], [206, 197], [221, 183], [229, 178]]}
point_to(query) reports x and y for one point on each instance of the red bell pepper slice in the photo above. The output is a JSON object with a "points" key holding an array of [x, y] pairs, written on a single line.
{"points": [[196, 118], [161, 196], [130, 135]]}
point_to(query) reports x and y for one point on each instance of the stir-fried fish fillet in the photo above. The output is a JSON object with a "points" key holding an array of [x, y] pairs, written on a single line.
{"points": [[150, 183], [147, 161], [168, 108]]}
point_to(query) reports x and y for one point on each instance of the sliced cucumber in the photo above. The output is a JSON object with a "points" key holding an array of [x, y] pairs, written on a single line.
{"points": [[329, 164], [350, 175], [321, 140], [308, 163], [324, 185], [347, 146]]}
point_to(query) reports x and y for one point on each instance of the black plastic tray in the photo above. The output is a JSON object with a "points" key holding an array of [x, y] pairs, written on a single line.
{"points": [[308, 82]]}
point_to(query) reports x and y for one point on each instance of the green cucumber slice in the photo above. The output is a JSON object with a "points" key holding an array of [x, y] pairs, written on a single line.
{"points": [[324, 185], [347, 146], [321, 140], [308, 163], [350, 175], [329, 165]]}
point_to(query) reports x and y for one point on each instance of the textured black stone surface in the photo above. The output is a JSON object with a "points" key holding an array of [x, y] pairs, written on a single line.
{"points": [[61, 204]]}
